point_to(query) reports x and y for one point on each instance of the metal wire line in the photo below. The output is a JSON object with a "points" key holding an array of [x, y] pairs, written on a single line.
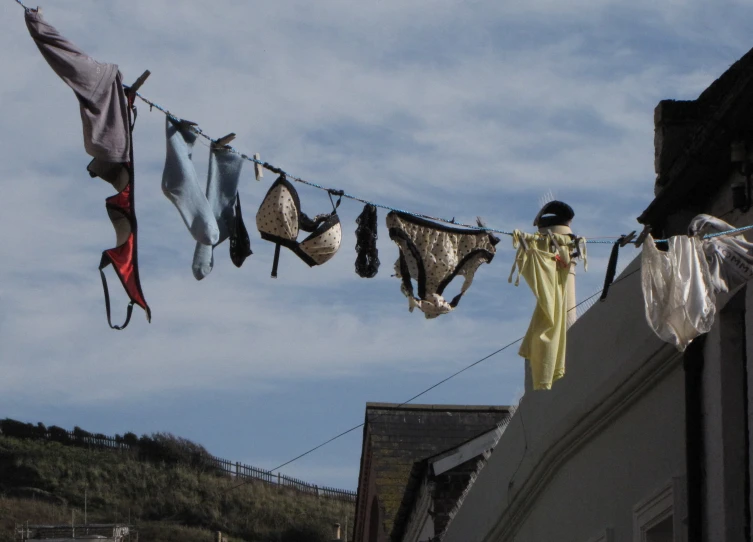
{"points": [[344, 194], [427, 390]]}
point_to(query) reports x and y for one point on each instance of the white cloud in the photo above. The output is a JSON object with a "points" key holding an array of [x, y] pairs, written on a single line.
{"points": [[449, 108]]}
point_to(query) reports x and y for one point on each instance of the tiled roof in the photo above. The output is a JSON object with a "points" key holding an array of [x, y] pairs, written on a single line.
{"points": [[402, 435]]}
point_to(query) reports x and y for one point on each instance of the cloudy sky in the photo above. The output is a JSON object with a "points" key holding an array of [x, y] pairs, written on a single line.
{"points": [[450, 108]]}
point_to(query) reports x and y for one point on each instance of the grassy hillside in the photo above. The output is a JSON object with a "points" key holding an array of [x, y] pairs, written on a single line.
{"points": [[43, 481]]}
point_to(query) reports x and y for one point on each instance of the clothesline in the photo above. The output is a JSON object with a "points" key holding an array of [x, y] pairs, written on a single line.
{"points": [[336, 192], [332, 191], [342, 193], [548, 359]]}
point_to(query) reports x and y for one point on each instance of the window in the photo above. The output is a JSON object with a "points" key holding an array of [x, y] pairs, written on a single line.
{"points": [[660, 517], [661, 532]]}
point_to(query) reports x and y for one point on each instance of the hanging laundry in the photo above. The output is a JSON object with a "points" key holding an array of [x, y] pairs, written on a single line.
{"points": [[367, 261], [546, 270], [181, 186], [677, 290], [433, 255], [280, 219], [612, 265], [222, 196], [124, 257], [240, 244], [730, 257], [98, 87], [108, 138], [556, 216]]}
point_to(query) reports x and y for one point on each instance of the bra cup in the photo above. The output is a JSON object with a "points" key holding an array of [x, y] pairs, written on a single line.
{"points": [[278, 213], [122, 225], [323, 243]]}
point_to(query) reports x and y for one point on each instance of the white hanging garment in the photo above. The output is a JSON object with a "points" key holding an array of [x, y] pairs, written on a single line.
{"points": [[677, 290], [730, 258]]}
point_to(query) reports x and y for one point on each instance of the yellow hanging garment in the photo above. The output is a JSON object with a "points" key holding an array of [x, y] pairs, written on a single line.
{"points": [[546, 272]]}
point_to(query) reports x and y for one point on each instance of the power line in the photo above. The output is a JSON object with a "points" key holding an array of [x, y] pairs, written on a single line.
{"points": [[427, 390]]}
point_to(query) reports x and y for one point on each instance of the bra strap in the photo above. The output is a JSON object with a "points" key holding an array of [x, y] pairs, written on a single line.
{"points": [[276, 261], [129, 311]]}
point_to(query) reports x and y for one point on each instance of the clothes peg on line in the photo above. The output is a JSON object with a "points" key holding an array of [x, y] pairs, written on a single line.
{"points": [[184, 124], [223, 141], [553, 240], [258, 171], [140, 81], [625, 239], [131, 90], [642, 236]]}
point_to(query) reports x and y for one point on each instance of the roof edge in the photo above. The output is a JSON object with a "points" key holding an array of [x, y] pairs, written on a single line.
{"points": [[400, 406]]}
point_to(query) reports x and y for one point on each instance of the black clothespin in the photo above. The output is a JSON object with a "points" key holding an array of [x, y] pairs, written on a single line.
{"points": [[642, 236], [339, 193], [223, 141], [186, 125], [257, 167], [131, 90], [625, 239]]}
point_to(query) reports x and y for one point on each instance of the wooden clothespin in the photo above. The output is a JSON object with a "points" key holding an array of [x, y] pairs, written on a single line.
{"points": [[223, 141], [553, 240], [131, 91], [642, 236], [258, 171], [625, 239], [140, 81]]}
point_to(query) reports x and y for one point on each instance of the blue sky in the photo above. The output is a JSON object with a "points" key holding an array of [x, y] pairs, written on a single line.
{"points": [[454, 109]]}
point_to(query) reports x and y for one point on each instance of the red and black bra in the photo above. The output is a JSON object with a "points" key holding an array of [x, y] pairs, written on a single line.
{"points": [[122, 213]]}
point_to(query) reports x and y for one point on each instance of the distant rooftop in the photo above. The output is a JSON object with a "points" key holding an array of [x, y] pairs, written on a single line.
{"points": [[397, 436]]}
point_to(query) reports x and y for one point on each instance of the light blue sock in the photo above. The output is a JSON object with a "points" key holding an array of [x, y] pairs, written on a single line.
{"points": [[222, 190], [180, 185]]}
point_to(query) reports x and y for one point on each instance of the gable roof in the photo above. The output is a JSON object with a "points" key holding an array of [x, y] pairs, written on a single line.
{"points": [[401, 435], [449, 476]]}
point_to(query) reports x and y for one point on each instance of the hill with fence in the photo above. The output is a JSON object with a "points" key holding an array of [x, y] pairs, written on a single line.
{"points": [[167, 448], [166, 487]]}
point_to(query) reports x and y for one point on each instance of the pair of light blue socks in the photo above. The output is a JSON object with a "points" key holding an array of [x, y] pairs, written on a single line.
{"points": [[206, 213]]}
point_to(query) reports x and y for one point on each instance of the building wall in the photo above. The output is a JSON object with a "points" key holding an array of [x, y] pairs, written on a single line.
{"points": [[576, 462], [576, 459], [369, 527], [372, 529]]}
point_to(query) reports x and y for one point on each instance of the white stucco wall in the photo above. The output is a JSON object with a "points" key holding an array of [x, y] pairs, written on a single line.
{"points": [[576, 459]]}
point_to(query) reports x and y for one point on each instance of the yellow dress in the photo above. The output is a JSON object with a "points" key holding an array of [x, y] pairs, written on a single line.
{"points": [[546, 272]]}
